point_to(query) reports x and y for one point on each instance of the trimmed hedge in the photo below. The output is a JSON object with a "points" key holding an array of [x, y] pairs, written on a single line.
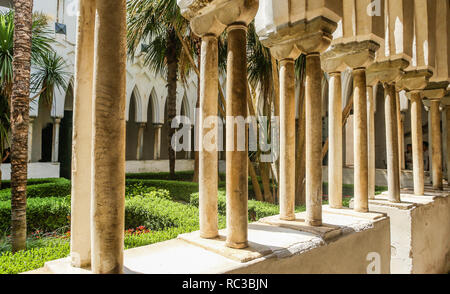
{"points": [[256, 209], [45, 214], [178, 190], [55, 188], [5, 184]]}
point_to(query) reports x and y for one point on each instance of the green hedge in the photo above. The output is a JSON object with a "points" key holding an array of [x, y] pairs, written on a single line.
{"points": [[54, 188], [178, 190], [46, 214], [256, 209], [5, 184]]}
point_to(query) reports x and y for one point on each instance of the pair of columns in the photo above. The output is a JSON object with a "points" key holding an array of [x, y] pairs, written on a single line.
{"points": [[363, 110], [417, 142], [236, 161], [156, 142], [98, 170]]}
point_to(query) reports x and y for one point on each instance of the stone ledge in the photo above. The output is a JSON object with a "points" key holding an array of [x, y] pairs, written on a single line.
{"points": [[273, 249]]}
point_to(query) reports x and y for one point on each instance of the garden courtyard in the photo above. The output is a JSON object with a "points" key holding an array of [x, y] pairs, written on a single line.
{"points": [[156, 209], [225, 136]]}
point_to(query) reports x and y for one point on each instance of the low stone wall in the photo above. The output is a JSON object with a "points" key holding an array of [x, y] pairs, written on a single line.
{"points": [[348, 242], [420, 232], [380, 177], [36, 170]]}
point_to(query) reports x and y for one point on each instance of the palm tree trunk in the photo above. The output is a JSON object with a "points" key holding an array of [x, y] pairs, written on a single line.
{"points": [[172, 72], [19, 121]]}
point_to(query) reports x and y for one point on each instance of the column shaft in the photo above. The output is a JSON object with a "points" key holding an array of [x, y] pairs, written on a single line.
{"points": [[157, 143], [208, 155], [371, 142], [55, 140], [313, 105], [108, 201], [360, 140], [236, 161], [140, 141], [335, 141], [436, 147], [287, 139], [392, 144], [30, 138], [417, 142], [447, 115], [80, 230], [399, 132]]}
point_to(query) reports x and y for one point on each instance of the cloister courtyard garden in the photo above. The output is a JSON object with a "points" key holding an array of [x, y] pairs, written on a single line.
{"points": [[156, 209], [224, 137]]}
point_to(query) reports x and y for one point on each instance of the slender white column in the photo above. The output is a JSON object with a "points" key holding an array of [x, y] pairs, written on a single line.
{"points": [[208, 155], [360, 140], [55, 140], [157, 141], [313, 105], [80, 231], [30, 138], [371, 142], [237, 161], [436, 147], [108, 172], [392, 143], [335, 141], [287, 139], [417, 142], [447, 116], [140, 141]]}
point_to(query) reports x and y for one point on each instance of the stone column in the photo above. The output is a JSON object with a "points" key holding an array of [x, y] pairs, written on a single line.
{"points": [[287, 139], [140, 141], [108, 201], [335, 141], [447, 116], [30, 138], [392, 143], [402, 142], [436, 147], [236, 161], [313, 104], [371, 170], [208, 154], [399, 132], [80, 231], [55, 140], [157, 142], [360, 140], [417, 142]]}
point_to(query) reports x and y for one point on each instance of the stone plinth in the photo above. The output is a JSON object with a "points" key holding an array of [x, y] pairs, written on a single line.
{"points": [[420, 231], [272, 249]]}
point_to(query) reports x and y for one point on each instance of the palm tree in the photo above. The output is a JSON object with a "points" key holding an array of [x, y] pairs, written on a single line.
{"points": [[156, 23], [16, 59], [20, 107]]}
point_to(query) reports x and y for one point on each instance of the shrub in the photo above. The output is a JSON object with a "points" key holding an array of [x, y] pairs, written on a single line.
{"points": [[46, 214], [159, 213], [55, 188], [33, 258], [178, 190], [256, 209]]}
